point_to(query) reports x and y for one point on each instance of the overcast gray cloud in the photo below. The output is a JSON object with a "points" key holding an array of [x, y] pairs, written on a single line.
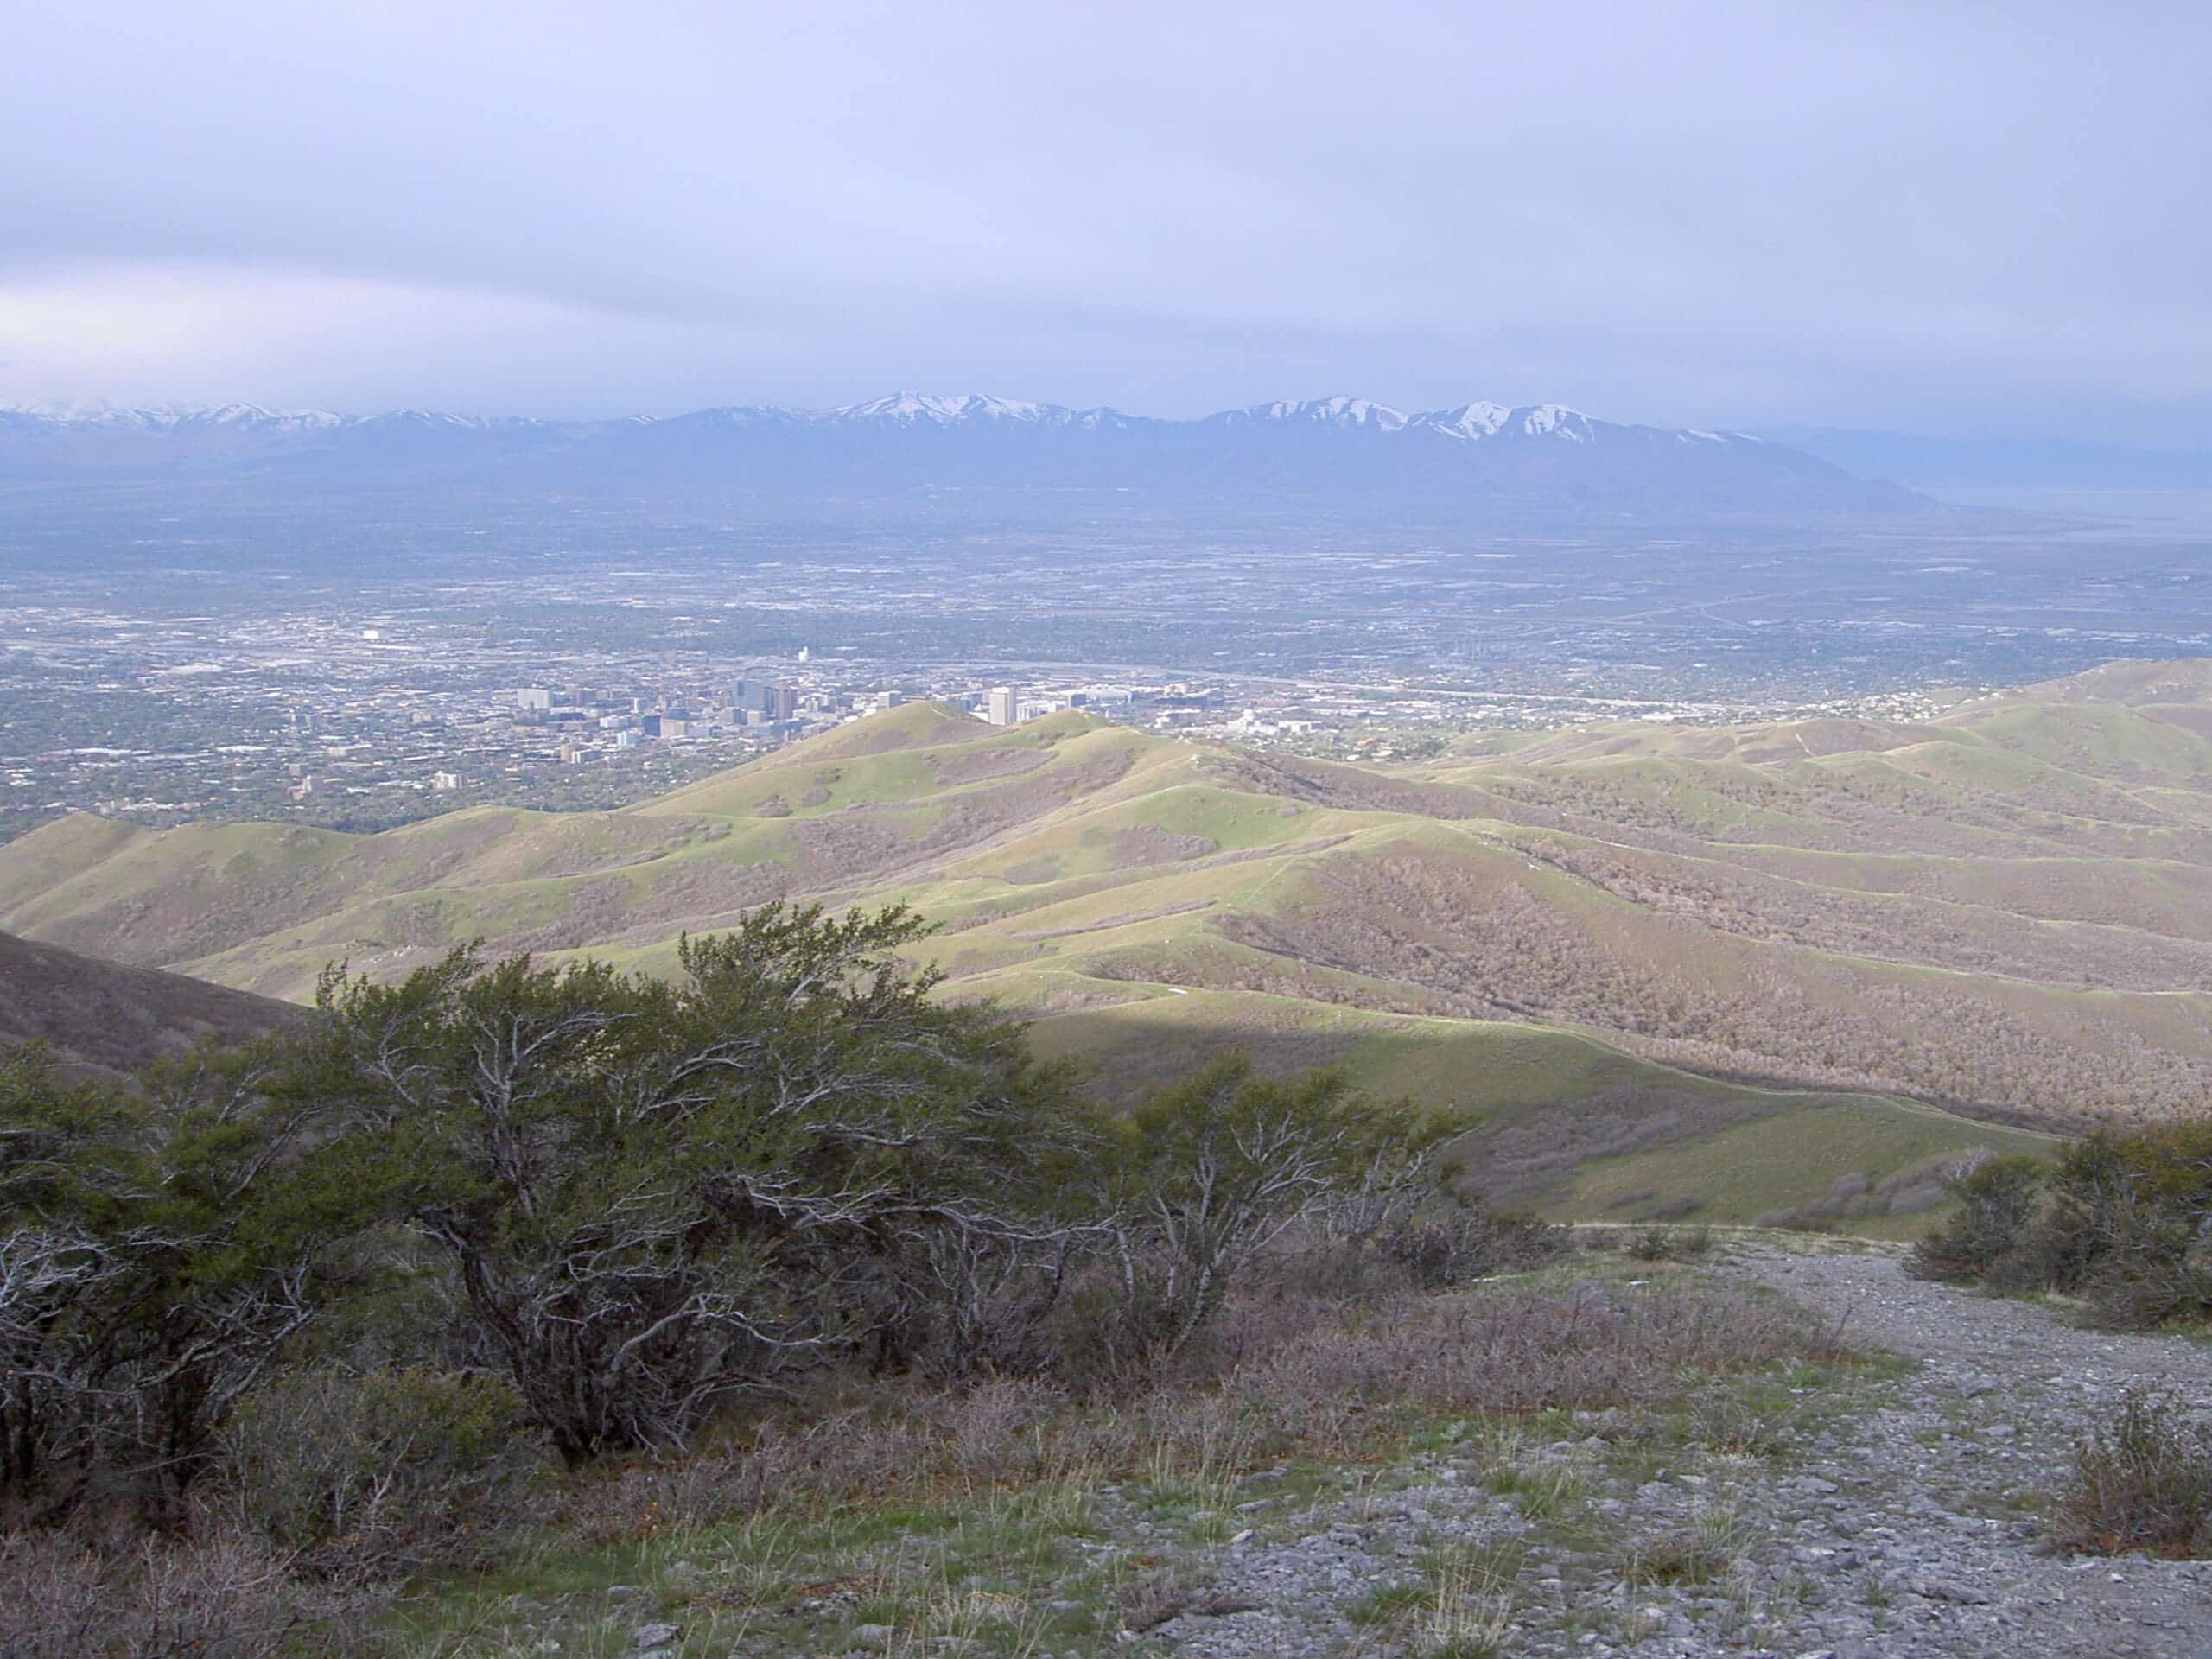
{"points": [[1964, 219]]}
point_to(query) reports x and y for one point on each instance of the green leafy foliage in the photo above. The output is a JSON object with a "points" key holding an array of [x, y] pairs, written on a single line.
{"points": [[611, 1208], [161, 1246], [1469, 1241], [2121, 1220], [2128, 1223], [1999, 1199], [659, 1196]]}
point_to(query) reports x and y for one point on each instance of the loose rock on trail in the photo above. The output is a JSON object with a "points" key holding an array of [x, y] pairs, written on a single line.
{"points": [[1902, 1521]]}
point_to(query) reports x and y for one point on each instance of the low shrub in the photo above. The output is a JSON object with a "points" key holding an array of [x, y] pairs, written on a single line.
{"points": [[2142, 1291], [1470, 1243], [372, 1474], [2119, 1220], [1660, 1243], [1798, 1220], [224, 1598], [912, 1437], [2140, 1480], [1997, 1201], [2127, 1225], [1272, 1374], [1516, 1351]]}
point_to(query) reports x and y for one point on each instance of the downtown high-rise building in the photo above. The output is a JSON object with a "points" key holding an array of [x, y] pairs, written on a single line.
{"points": [[770, 701]]}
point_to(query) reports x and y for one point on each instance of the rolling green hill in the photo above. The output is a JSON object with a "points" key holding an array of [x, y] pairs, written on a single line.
{"points": [[1674, 964]]}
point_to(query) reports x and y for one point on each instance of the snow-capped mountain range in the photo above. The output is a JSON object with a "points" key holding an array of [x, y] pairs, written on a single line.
{"points": [[1472, 421], [1345, 449]]}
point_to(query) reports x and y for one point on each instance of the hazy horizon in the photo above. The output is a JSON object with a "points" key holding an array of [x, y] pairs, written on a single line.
{"points": [[1967, 224], [1786, 434]]}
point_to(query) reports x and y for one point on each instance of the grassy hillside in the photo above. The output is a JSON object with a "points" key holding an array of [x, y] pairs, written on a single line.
{"points": [[1670, 961]]}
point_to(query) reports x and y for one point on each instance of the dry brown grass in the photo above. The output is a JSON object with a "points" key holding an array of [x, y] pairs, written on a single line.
{"points": [[227, 1598], [1278, 1373], [1148, 1602], [978, 765], [1508, 1351], [102, 1017], [1432, 930], [2142, 1480]]}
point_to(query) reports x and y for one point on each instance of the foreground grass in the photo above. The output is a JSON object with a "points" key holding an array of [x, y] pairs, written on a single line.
{"points": [[1013, 1519], [1020, 1517], [827, 1576]]}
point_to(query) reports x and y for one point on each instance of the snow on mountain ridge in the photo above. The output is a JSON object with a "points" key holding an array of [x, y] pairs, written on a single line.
{"points": [[1539, 420], [171, 416], [1472, 421], [1362, 453], [1476, 422], [174, 417], [909, 407], [1322, 411]]}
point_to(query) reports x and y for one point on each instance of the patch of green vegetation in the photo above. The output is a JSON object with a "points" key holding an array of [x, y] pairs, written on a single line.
{"points": [[1542, 1491], [978, 1571], [1790, 1158], [1388, 1603], [1696, 1556]]}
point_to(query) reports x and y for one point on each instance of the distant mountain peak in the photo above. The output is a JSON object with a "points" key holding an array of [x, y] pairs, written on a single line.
{"points": [[432, 418], [1545, 456], [1339, 411], [169, 417], [1473, 422], [910, 408], [251, 417], [1540, 420]]}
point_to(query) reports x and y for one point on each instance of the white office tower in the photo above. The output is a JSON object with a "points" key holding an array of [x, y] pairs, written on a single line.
{"points": [[998, 708]]}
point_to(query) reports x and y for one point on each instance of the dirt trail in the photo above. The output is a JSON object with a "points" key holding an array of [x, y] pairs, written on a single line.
{"points": [[2004, 1389], [1901, 1523]]}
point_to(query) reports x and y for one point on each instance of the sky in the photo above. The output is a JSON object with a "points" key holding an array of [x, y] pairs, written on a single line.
{"points": [[1965, 220]]}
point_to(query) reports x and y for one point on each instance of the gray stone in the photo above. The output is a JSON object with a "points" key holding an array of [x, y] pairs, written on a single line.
{"points": [[1949, 1589]]}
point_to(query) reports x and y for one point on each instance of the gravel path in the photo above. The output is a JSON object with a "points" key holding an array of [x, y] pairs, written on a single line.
{"points": [[2003, 1390], [1898, 1523]]}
